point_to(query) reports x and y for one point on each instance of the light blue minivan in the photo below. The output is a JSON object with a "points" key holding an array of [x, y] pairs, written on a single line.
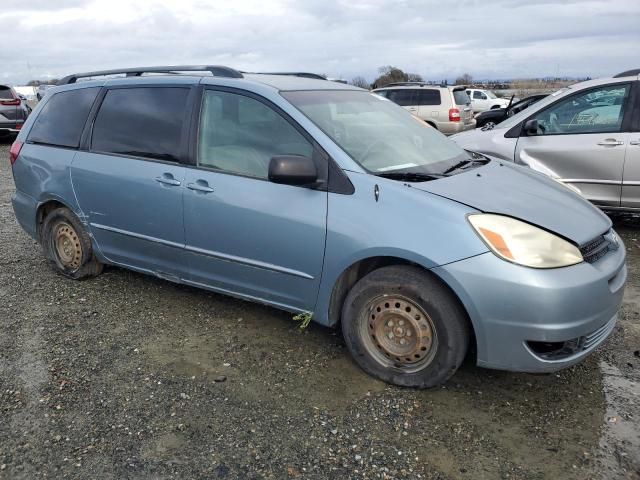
{"points": [[319, 198]]}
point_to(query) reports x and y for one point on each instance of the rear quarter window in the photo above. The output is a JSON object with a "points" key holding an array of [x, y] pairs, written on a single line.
{"points": [[428, 97], [62, 119]]}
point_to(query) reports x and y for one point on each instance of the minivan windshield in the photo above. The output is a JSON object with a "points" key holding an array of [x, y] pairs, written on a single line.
{"points": [[379, 135]]}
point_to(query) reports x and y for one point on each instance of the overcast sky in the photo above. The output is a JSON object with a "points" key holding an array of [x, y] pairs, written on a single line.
{"points": [[437, 39]]}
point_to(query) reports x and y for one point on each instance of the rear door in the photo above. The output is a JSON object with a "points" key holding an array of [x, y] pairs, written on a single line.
{"points": [[429, 102], [245, 234], [129, 183], [582, 140]]}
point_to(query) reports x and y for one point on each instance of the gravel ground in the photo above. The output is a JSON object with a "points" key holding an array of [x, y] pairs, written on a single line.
{"points": [[128, 376]]}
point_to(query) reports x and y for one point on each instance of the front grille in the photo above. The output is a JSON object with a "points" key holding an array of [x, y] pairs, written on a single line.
{"points": [[595, 249]]}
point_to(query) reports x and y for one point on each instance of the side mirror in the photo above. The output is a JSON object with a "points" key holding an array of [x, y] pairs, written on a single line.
{"points": [[531, 127], [292, 170]]}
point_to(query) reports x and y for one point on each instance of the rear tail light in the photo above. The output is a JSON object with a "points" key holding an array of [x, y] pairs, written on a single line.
{"points": [[454, 115], [10, 103], [14, 151], [18, 126]]}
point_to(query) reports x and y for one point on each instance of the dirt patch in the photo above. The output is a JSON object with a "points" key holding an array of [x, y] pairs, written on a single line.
{"points": [[127, 376]]}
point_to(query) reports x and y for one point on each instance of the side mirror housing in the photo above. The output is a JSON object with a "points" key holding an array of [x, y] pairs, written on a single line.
{"points": [[292, 170], [531, 127]]}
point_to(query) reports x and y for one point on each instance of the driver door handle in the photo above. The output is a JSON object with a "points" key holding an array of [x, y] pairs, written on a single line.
{"points": [[610, 142], [200, 186]]}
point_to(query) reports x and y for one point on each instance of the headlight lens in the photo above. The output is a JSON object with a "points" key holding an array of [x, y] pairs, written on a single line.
{"points": [[524, 244]]}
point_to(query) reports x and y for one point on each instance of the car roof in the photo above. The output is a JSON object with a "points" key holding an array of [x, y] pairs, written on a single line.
{"points": [[215, 75]]}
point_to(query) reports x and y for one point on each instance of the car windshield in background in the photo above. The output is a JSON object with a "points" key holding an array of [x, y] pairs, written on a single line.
{"points": [[461, 97], [378, 134], [491, 95]]}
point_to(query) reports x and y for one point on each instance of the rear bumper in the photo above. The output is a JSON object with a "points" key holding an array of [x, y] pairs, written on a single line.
{"points": [[25, 208], [515, 310], [11, 127], [450, 128]]}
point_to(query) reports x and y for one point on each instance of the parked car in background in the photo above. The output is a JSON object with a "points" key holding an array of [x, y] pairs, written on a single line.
{"points": [[490, 118], [14, 110], [482, 100], [447, 109], [586, 135], [42, 90], [325, 200]]}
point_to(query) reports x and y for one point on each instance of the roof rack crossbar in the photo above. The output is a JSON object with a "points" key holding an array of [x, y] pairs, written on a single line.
{"points": [[215, 70], [628, 73]]}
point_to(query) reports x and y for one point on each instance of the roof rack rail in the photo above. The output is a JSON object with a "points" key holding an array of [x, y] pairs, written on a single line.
{"points": [[315, 76], [216, 70], [628, 73], [417, 84]]}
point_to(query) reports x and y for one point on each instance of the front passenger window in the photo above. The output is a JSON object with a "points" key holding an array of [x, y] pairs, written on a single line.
{"points": [[239, 134], [599, 110]]}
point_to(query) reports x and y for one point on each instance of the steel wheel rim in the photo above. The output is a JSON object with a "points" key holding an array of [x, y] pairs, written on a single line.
{"points": [[66, 244], [398, 333]]}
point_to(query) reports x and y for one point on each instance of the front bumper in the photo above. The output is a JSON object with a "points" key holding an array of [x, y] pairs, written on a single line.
{"points": [[514, 309]]}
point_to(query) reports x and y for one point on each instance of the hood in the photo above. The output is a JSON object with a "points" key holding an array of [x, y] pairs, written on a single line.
{"points": [[507, 189]]}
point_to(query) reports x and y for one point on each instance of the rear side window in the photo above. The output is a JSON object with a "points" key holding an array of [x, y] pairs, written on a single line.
{"points": [[143, 122], [403, 97], [461, 97], [62, 119], [5, 93], [428, 97]]}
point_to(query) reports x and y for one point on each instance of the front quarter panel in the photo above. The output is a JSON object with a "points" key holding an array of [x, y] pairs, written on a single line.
{"points": [[404, 222]]}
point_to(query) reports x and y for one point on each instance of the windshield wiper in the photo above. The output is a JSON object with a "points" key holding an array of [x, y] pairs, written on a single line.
{"points": [[464, 163], [411, 176]]}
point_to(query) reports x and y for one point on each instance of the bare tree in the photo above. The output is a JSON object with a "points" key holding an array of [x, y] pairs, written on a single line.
{"points": [[360, 82], [389, 74], [414, 77], [465, 79]]}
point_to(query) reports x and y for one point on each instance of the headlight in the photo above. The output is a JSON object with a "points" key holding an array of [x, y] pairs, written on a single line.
{"points": [[524, 244]]}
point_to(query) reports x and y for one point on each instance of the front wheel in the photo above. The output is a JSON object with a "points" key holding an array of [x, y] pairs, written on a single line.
{"points": [[404, 327]]}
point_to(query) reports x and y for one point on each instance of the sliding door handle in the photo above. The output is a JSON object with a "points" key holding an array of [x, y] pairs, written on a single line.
{"points": [[168, 180]]}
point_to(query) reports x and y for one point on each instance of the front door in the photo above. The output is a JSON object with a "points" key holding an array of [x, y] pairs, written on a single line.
{"points": [[581, 141], [130, 185], [244, 234]]}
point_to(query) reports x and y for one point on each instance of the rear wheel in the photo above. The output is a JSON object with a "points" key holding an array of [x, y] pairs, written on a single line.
{"points": [[68, 246], [404, 327]]}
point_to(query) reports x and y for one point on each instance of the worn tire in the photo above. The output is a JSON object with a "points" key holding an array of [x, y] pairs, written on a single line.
{"points": [[448, 320], [83, 263]]}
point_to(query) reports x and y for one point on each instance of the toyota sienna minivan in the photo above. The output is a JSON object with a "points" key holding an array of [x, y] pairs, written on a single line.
{"points": [[324, 200]]}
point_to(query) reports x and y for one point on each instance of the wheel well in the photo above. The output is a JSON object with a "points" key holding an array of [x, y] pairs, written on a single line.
{"points": [[44, 210], [355, 272]]}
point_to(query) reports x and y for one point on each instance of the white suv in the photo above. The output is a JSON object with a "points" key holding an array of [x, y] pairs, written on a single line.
{"points": [[448, 109], [483, 100]]}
